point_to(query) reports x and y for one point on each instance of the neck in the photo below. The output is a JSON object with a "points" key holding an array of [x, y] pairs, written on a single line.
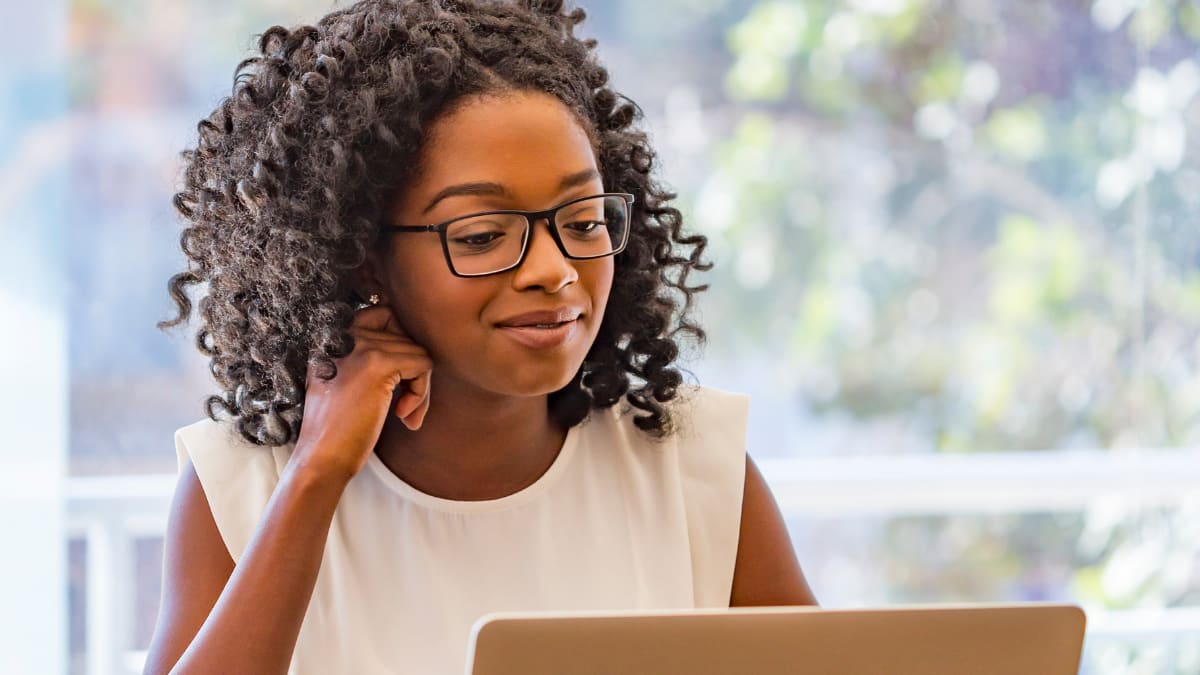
{"points": [[472, 444]]}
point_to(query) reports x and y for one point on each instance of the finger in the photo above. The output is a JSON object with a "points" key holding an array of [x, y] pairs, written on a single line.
{"points": [[392, 362], [386, 336], [386, 356], [391, 345], [411, 396], [410, 365], [416, 418], [413, 401], [378, 317], [419, 415]]}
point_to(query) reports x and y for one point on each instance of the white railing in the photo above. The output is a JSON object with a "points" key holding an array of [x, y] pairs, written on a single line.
{"points": [[111, 512], [1011, 482]]}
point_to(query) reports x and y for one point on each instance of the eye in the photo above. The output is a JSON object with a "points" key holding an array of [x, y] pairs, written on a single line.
{"points": [[584, 226], [478, 239]]}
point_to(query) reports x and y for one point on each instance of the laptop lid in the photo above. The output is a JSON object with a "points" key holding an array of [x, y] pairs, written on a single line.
{"points": [[989, 639]]}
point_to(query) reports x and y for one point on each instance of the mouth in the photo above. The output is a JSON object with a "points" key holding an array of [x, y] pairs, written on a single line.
{"points": [[542, 319], [541, 335], [541, 325]]}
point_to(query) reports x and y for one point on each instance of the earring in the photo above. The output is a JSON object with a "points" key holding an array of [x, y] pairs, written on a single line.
{"points": [[374, 299]]}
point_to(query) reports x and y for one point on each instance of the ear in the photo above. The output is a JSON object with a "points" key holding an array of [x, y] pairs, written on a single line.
{"points": [[365, 279]]}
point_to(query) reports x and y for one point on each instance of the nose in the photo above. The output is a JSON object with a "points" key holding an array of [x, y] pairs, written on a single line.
{"points": [[545, 266]]}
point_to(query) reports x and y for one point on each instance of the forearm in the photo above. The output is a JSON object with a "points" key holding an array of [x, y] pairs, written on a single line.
{"points": [[254, 624]]}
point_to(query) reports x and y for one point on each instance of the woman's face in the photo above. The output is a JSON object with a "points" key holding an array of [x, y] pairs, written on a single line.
{"points": [[532, 154]]}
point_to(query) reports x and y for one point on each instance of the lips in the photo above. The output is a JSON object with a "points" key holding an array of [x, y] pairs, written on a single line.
{"points": [[541, 318], [544, 329], [541, 338]]}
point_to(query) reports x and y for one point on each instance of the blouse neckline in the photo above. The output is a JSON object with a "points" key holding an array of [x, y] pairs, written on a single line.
{"points": [[522, 496]]}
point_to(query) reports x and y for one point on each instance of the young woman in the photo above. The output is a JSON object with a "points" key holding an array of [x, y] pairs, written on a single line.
{"points": [[443, 299]]}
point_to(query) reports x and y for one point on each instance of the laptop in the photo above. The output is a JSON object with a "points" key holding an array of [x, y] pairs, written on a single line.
{"points": [[987, 639]]}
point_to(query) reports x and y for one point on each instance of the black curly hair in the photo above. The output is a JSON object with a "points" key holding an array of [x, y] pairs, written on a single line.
{"points": [[291, 173]]}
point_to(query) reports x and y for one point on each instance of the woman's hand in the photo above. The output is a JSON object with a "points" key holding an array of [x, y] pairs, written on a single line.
{"points": [[344, 417]]}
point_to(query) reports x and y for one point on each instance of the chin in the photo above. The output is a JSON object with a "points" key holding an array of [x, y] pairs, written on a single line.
{"points": [[537, 372], [525, 381]]}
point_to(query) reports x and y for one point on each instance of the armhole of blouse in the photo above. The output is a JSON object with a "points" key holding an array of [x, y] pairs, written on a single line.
{"points": [[237, 476], [711, 428]]}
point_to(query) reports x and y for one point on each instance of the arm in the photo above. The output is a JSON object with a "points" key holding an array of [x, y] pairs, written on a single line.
{"points": [[220, 618], [766, 571]]}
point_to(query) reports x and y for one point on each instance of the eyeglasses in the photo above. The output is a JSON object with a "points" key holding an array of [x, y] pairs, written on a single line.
{"points": [[492, 242]]}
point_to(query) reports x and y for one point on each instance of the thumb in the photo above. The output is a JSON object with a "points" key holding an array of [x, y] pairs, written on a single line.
{"points": [[410, 406], [416, 418]]}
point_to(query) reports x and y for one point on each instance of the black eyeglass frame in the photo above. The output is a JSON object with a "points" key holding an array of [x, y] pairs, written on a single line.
{"points": [[530, 218]]}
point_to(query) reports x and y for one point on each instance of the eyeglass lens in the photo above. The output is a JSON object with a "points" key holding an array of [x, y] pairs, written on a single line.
{"points": [[591, 228]]}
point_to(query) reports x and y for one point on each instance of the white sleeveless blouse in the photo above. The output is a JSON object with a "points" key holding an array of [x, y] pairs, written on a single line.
{"points": [[618, 521]]}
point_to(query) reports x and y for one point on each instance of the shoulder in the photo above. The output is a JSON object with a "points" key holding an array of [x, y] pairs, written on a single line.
{"points": [[238, 477], [220, 442], [699, 411], [707, 431], [709, 440], [206, 434], [710, 433]]}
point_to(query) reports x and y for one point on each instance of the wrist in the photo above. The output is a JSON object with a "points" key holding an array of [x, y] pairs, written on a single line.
{"points": [[316, 473]]}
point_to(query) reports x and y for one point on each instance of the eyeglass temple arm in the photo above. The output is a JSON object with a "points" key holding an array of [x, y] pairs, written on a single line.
{"points": [[412, 228]]}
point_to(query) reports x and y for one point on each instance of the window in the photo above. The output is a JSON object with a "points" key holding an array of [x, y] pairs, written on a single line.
{"points": [[956, 268]]}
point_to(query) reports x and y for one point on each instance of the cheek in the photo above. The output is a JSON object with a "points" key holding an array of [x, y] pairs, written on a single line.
{"points": [[444, 312], [433, 305], [601, 285]]}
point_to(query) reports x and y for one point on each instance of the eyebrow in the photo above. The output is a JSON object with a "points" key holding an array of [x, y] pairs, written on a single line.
{"points": [[496, 189]]}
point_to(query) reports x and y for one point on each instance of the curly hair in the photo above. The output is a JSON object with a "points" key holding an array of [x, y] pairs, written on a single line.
{"points": [[283, 192]]}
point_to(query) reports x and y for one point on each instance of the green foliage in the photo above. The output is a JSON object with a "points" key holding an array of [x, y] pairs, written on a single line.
{"points": [[979, 229], [1037, 272], [948, 226], [764, 44], [1019, 132]]}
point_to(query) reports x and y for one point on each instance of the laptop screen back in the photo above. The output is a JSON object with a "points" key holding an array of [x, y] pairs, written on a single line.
{"points": [[1018, 639]]}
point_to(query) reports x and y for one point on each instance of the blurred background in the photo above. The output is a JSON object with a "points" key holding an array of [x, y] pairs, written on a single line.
{"points": [[956, 268]]}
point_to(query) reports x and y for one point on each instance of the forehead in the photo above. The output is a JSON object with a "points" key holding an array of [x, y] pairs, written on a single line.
{"points": [[527, 141]]}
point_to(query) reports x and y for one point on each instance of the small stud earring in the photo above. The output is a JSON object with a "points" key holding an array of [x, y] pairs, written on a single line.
{"points": [[374, 299]]}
